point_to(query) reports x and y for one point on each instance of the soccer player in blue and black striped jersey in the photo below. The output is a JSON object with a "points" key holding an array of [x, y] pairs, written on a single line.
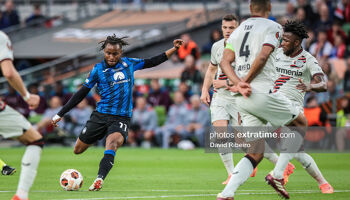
{"points": [[114, 77]]}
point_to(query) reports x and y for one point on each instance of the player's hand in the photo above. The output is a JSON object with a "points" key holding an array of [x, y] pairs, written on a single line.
{"points": [[178, 43], [33, 101], [219, 84], [244, 89], [232, 89], [303, 87], [205, 98], [55, 120]]}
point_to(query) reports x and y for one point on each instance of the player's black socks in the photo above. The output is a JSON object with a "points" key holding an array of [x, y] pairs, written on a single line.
{"points": [[106, 164]]}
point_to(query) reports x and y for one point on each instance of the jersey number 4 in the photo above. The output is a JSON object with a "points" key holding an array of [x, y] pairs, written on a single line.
{"points": [[244, 50]]}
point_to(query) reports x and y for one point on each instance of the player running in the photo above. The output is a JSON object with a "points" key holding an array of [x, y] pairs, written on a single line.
{"points": [[253, 47], [14, 125], [6, 169], [295, 68], [114, 77], [222, 107]]}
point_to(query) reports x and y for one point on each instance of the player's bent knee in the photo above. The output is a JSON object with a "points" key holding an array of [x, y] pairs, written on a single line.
{"points": [[300, 121], [114, 141], [29, 136], [254, 158], [78, 150], [39, 143]]}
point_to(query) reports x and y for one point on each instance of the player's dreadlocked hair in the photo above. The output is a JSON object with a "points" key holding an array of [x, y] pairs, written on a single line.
{"points": [[297, 28], [113, 39]]}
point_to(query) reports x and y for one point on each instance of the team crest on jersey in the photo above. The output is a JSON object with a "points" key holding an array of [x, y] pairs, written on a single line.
{"points": [[125, 64], [118, 76], [299, 63], [9, 46], [278, 35]]}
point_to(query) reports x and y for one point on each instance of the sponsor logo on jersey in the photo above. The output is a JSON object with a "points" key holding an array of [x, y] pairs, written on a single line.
{"points": [[289, 71], [118, 76]]}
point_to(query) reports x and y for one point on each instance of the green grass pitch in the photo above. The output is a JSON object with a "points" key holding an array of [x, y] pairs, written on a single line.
{"points": [[167, 174]]}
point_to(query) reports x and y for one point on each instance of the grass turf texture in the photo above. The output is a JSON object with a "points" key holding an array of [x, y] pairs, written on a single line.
{"points": [[167, 174]]}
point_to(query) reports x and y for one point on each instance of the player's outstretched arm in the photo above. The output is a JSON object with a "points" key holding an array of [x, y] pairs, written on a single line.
{"points": [[156, 60], [73, 101], [208, 80], [15, 80], [259, 63], [319, 86]]}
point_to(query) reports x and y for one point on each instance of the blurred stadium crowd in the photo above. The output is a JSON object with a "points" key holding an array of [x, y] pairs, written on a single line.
{"points": [[167, 112]]}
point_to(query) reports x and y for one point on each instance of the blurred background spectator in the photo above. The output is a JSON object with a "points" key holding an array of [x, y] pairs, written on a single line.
{"points": [[143, 124], [197, 121], [215, 35], [61, 92], [191, 75], [188, 48], [34, 89], [44, 125], [343, 124], [37, 18], [175, 122], [78, 117], [158, 96], [322, 48], [13, 99], [9, 15]]}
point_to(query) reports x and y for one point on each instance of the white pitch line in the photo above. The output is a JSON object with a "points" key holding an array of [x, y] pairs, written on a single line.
{"points": [[204, 195]]}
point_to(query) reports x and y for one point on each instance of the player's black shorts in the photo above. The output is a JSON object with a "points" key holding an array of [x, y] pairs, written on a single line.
{"points": [[101, 124]]}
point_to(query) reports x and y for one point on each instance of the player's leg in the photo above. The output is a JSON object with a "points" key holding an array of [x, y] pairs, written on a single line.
{"points": [[6, 169], [117, 135], [311, 167], [248, 163], [226, 157], [30, 161], [270, 155], [220, 118], [14, 125], [279, 111], [80, 146], [113, 142], [290, 145], [289, 148], [241, 173]]}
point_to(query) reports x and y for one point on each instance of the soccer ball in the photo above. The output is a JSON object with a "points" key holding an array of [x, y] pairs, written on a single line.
{"points": [[71, 179]]}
